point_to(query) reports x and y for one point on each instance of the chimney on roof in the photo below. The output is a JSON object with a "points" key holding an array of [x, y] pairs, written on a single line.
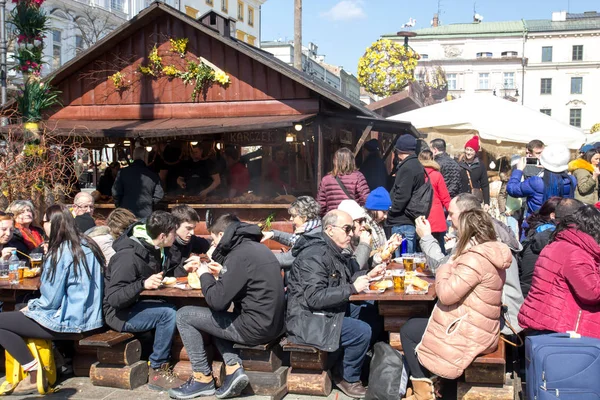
{"points": [[436, 20], [559, 16], [225, 26]]}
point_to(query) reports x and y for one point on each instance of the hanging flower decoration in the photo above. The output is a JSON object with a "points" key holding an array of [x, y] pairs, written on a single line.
{"points": [[118, 79], [595, 128], [155, 65], [171, 71], [387, 67], [179, 46], [31, 24], [34, 97]]}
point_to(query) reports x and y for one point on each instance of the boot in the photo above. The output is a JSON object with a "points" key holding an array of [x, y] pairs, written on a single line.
{"points": [[422, 390], [29, 384]]}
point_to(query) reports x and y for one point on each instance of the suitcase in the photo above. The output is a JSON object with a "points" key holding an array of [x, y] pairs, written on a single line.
{"points": [[561, 367]]}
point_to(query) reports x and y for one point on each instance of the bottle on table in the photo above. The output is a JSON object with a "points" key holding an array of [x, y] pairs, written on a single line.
{"points": [[13, 268]]}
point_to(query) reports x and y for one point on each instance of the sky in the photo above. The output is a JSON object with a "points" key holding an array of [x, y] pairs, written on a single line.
{"points": [[343, 29]]}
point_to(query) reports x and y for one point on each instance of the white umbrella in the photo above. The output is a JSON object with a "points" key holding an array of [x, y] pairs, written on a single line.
{"points": [[494, 119]]}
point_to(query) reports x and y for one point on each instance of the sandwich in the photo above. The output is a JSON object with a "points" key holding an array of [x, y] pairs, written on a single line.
{"points": [[168, 281], [194, 280]]}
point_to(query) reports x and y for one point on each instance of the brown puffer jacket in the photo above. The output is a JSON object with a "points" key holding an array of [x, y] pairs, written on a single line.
{"points": [[466, 319], [331, 194]]}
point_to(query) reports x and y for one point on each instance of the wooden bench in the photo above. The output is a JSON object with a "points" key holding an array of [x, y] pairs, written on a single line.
{"points": [[308, 373], [263, 365], [119, 362]]}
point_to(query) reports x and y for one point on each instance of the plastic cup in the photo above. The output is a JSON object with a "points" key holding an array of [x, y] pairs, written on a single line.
{"points": [[398, 278], [408, 259]]}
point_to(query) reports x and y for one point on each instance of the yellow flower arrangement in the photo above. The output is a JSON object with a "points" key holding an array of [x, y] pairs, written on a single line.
{"points": [[387, 67], [595, 128], [33, 150], [222, 78], [179, 46], [146, 70], [171, 71], [118, 79], [155, 59]]}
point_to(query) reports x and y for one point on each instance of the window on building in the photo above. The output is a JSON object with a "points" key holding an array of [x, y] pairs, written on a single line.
{"points": [[575, 117], [78, 44], [577, 85], [56, 48], [485, 55], [250, 16], [209, 3], [225, 5], [509, 54], [547, 54], [424, 56], [484, 81], [118, 5], [546, 87], [578, 53], [240, 11], [452, 81], [509, 80], [546, 111]]}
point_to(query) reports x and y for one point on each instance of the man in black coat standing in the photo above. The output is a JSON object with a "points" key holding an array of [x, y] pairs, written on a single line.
{"points": [[373, 167], [137, 188], [319, 290], [449, 168]]}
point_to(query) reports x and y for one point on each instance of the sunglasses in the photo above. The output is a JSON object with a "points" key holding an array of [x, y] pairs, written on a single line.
{"points": [[345, 228]]}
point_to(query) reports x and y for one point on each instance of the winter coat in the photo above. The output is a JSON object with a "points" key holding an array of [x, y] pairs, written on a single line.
{"points": [[180, 252], [252, 284], [479, 178], [441, 197], [533, 189], [20, 246], [587, 186], [137, 188], [466, 319], [101, 235], [331, 194], [537, 239], [451, 172], [410, 176], [319, 289], [135, 260], [565, 291], [374, 170]]}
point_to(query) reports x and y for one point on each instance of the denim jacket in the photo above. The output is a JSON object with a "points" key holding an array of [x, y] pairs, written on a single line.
{"points": [[69, 303]]}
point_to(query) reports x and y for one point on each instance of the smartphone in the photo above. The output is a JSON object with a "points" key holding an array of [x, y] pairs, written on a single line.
{"points": [[532, 161]]}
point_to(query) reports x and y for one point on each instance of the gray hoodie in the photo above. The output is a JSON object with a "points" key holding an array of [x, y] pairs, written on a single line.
{"points": [[512, 296]]}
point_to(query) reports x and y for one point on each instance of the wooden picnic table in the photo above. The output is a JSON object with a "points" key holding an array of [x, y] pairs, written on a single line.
{"points": [[9, 292], [177, 296]]}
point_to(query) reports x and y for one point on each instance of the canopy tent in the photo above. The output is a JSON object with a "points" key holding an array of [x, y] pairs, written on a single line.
{"points": [[592, 138], [494, 119]]}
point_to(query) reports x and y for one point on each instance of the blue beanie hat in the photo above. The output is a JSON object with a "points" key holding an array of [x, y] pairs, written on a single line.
{"points": [[406, 144], [378, 200]]}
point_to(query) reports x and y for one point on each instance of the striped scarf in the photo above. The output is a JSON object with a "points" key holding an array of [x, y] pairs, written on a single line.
{"points": [[305, 228]]}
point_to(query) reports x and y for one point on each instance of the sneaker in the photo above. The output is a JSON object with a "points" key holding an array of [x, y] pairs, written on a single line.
{"points": [[28, 385], [192, 389], [233, 384], [163, 378]]}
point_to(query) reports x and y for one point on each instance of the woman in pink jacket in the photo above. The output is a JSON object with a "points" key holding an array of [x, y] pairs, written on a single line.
{"points": [[466, 319], [343, 182], [441, 197], [565, 290]]}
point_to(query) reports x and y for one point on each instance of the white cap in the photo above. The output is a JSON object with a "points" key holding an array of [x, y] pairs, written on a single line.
{"points": [[352, 208], [555, 158]]}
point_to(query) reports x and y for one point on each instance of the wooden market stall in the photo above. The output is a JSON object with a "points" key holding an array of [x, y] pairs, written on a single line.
{"points": [[144, 83]]}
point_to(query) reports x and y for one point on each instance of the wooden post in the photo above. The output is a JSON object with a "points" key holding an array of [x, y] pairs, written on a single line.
{"points": [[319, 151], [298, 34], [362, 139]]}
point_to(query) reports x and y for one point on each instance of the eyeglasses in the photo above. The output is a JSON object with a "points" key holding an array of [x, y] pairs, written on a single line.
{"points": [[85, 206], [345, 228]]}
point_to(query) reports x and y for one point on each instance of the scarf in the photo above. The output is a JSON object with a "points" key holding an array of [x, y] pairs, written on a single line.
{"points": [[378, 235], [31, 237], [305, 228]]}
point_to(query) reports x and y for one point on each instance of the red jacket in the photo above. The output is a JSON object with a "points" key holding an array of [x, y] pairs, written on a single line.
{"points": [[441, 197], [330, 193], [565, 290]]}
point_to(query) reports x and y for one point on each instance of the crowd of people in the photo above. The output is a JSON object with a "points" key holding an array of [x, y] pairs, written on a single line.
{"points": [[538, 273]]}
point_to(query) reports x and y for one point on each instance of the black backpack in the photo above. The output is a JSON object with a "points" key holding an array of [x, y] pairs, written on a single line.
{"points": [[421, 200], [388, 376]]}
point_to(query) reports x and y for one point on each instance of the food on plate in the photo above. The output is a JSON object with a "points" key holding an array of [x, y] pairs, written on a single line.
{"points": [[417, 283], [382, 284], [31, 272], [194, 280], [168, 281]]}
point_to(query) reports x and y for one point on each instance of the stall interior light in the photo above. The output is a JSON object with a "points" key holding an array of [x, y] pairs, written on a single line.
{"points": [[148, 149], [289, 138], [298, 127], [194, 143], [219, 146], [110, 145], [126, 143]]}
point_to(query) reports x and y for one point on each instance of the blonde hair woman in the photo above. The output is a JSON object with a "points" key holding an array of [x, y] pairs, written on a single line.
{"points": [[26, 230], [466, 319]]}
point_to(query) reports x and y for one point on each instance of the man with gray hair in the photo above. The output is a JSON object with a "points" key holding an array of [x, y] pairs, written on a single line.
{"points": [[137, 188], [83, 207], [512, 295]]}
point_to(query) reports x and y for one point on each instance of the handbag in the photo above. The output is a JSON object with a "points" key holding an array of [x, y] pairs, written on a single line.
{"points": [[339, 181], [388, 374], [44, 354], [477, 192]]}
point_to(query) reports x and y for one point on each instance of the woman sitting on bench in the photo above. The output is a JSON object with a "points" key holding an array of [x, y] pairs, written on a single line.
{"points": [[71, 295], [466, 319]]}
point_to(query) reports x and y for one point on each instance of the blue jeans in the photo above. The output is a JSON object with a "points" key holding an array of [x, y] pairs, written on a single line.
{"points": [[148, 315], [368, 312], [409, 234], [354, 343]]}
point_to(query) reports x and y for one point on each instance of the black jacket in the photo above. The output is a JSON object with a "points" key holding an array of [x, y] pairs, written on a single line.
{"points": [[137, 189], [374, 170], [135, 261], [450, 170], [252, 283], [319, 290], [20, 246], [479, 178], [409, 177], [178, 253], [533, 245], [84, 222]]}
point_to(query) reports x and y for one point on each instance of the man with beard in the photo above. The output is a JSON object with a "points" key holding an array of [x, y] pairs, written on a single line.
{"points": [[186, 243]]}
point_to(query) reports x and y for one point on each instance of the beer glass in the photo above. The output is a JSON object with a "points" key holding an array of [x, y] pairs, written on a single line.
{"points": [[408, 259], [36, 260], [398, 278]]}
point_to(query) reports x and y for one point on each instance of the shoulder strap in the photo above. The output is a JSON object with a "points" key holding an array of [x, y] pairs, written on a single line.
{"points": [[469, 176], [339, 181]]}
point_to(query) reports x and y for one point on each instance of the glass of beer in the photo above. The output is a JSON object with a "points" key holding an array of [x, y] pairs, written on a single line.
{"points": [[398, 278], [22, 268], [408, 259], [421, 262], [36, 260]]}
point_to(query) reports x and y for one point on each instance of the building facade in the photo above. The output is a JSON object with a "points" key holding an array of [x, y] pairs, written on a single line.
{"points": [[314, 64], [548, 65]]}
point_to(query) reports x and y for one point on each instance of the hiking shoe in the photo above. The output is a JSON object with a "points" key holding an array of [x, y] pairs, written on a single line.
{"points": [[192, 389], [233, 384], [163, 378]]}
